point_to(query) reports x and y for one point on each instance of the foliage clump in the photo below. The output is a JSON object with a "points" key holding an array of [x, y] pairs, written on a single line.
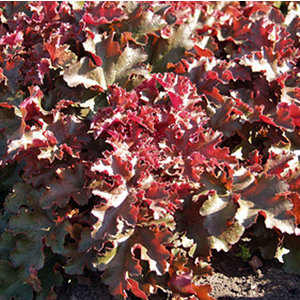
{"points": [[136, 137]]}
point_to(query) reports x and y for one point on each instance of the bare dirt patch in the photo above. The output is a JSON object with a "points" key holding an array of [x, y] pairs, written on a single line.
{"points": [[232, 279]]}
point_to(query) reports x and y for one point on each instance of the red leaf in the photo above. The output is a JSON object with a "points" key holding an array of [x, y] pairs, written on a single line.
{"points": [[194, 140], [59, 54], [183, 285], [123, 266], [203, 52], [202, 292], [295, 114], [255, 161], [283, 117], [190, 221], [103, 13], [108, 217], [293, 179], [180, 90], [135, 289], [69, 183], [277, 163], [266, 61], [31, 106], [50, 10], [295, 198], [13, 39]]}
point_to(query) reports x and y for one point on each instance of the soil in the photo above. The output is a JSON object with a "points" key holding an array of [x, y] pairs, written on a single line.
{"points": [[232, 279]]}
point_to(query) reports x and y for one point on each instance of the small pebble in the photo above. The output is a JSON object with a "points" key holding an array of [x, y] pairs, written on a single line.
{"points": [[259, 273], [255, 263]]}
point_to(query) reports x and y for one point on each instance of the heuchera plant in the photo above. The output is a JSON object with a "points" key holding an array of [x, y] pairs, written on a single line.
{"points": [[136, 137]]}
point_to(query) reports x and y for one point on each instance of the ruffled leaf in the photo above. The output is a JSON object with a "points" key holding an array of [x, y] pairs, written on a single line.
{"points": [[70, 182], [266, 195]]}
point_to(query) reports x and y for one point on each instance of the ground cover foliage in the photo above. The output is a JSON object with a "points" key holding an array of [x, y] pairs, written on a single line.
{"points": [[137, 137]]}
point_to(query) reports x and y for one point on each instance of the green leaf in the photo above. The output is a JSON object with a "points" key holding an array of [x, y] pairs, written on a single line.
{"points": [[191, 222], [77, 261], [171, 49], [244, 253], [264, 194], [9, 120], [11, 125], [86, 73], [18, 198], [28, 253], [222, 228], [56, 237], [30, 227], [37, 223], [209, 221], [116, 66], [9, 175], [266, 240], [50, 277], [11, 98], [145, 22], [11, 285], [292, 258], [86, 241], [7, 242]]}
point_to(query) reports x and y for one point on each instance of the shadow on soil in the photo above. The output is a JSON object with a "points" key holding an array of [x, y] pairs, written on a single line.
{"points": [[232, 279]]}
